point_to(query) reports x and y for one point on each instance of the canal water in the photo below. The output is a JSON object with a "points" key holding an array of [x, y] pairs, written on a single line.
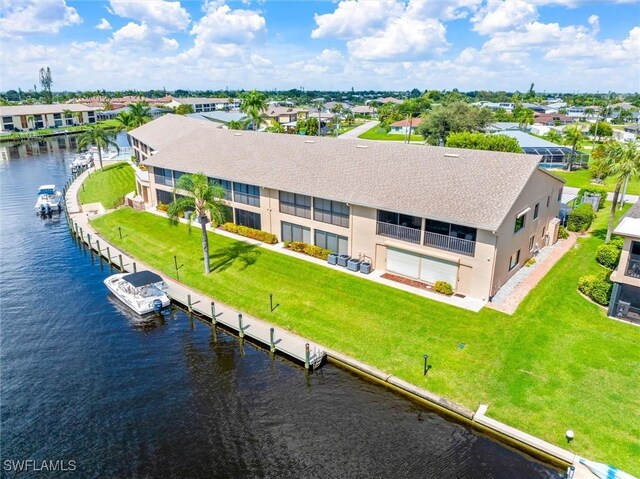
{"points": [[86, 384]]}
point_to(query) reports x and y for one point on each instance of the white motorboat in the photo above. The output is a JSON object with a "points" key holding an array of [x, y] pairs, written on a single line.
{"points": [[144, 291], [82, 162], [49, 200]]}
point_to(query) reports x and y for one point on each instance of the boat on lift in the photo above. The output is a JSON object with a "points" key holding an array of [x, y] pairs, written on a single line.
{"points": [[143, 291], [82, 161], [49, 200]]}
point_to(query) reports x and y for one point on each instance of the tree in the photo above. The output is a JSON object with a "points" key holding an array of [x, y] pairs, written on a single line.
{"points": [[141, 113], [79, 117], [254, 104], [599, 129], [97, 136], [183, 109], [67, 114], [573, 136], [239, 124], [205, 199], [45, 82], [481, 141], [598, 164], [31, 121], [106, 105], [553, 136], [126, 121], [410, 108], [452, 118], [623, 162], [274, 127]]}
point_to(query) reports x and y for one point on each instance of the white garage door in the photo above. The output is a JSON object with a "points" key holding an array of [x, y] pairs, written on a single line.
{"points": [[402, 262], [433, 269]]}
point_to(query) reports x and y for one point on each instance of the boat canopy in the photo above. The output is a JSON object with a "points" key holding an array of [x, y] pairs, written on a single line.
{"points": [[142, 278], [47, 190]]}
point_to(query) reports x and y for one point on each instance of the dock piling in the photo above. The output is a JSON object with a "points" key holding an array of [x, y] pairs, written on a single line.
{"points": [[109, 257], [213, 313], [135, 268], [271, 342], [425, 369], [240, 329], [121, 267], [307, 356], [189, 303], [120, 232]]}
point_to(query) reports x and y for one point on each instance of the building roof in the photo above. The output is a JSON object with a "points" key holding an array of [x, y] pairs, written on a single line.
{"points": [[405, 123], [528, 141], [219, 116], [42, 109], [547, 117], [283, 110], [468, 187], [630, 223], [201, 101], [363, 109], [168, 128]]}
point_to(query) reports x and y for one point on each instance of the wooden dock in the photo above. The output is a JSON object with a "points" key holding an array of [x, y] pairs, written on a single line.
{"points": [[275, 339]]}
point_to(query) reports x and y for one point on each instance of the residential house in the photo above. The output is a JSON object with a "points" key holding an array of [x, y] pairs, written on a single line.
{"points": [[365, 110], [468, 217], [155, 112], [36, 117], [201, 105], [552, 119], [625, 297], [285, 115], [402, 127]]}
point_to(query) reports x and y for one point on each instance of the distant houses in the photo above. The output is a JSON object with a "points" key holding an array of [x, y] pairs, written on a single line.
{"points": [[201, 105]]}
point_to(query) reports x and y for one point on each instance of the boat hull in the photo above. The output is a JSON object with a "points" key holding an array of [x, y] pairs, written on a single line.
{"points": [[139, 305]]}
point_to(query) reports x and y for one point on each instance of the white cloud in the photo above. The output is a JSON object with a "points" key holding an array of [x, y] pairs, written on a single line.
{"points": [[104, 24], [442, 10], [160, 14], [330, 57], [132, 32], [221, 24], [504, 15], [36, 16], [355, 18]]}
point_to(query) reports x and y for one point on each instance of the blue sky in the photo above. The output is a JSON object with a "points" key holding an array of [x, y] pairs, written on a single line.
{"points": [[560, 45]]}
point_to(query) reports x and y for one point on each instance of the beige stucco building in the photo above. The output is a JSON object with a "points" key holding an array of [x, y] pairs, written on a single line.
{"points": [[36, 117], [468, 217]]}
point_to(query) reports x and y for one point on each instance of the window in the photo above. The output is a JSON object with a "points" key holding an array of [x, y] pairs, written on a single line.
{"points": [[247, 194], [332, 242], [162, 176], [295, 204], [536, 210], [548, 200], [400, 219], [560, 194], [164, 197], [291, 232], [514, 260], [248, 218], [519, 222], [332, 212], [532, 243], [226, 184], [450, 229]]}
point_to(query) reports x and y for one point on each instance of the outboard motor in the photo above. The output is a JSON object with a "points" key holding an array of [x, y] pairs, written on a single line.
{"points": [[48, 210], [43, 210], [157, 306]]}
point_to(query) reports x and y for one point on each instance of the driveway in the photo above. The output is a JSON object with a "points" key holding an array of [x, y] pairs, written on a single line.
{"points": [[358, 130]]}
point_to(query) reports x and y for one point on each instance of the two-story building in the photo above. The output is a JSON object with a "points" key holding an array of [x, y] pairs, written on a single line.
{"points": [[285, 114], [625, 297], [468, 217], [36, 117], [201, 105]]}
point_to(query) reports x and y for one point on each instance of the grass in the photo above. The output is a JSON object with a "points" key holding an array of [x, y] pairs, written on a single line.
{"points": [[109, 185], [379, 133], [558, 363], [582, 179]]}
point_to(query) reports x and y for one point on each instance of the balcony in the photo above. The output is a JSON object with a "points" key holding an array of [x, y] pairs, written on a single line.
{"points": [[411, 235], [450, 243], [633, 266]]}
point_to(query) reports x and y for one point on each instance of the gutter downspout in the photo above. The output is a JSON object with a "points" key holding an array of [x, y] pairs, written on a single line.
{"points": [[493, 266]]}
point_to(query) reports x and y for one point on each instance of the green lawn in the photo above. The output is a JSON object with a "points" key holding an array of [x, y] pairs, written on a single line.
{"points": [[109, 185], [557, 364], [379, 133], [582, 179]]}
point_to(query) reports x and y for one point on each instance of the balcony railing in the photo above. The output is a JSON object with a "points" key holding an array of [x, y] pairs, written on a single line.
{"points": [[412, 235], [633, 266], [450, 243]]}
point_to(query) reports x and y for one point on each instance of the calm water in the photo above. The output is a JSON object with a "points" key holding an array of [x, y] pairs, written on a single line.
{"points": [[82, 381]]}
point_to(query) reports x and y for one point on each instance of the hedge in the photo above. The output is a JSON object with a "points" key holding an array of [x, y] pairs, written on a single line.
{"points": [[594, 191], [562, 232], [597, 287], [443, 287], [608, 255], [251, 233], [581, 218], [308, 249]]}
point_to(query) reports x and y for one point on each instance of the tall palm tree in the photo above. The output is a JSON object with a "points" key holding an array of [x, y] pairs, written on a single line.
{"points": [[31, 121], [239, 124], [573, 136], [254, 104], [126, 121], [624, 162], [79, 117], [99, 137], [67, 114], [140, 113], [205, 199], [274, 127]]}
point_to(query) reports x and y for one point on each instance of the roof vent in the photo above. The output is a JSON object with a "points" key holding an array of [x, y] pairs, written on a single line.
{"points": [[452, 155], [362, 146], [309, 141], [237, 134]]}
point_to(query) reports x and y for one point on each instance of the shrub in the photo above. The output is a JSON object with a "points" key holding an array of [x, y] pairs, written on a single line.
{"points": [[580, 219], [608, 255], [162, 207], [562, 232], [594, 191], [308, 249], [443, 287], [617, 241], [251, 233], [530, 262], [597, 287]]}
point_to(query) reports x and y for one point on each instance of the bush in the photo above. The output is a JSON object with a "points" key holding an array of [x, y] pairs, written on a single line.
{"points": [[308, 249], [617, 241], [443, 287], [581, 218], [562, 232], [608, 255], [530, 262], [162, 207], [251, 233], [592, 192], [597, 287]]}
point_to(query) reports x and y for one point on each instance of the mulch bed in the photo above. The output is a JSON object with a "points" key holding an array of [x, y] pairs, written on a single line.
{"points": [[407, 281]]}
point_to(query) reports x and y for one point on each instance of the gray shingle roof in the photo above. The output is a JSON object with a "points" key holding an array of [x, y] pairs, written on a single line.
{"points": [[634, 211], [167, 129], [468, 187]]}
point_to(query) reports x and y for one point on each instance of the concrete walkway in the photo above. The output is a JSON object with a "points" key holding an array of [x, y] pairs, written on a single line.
{"points": [[631, 199], [358, 130], [513, 292]]}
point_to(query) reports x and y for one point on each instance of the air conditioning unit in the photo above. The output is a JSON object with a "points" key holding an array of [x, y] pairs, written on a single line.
{"points": [[623, 308]]}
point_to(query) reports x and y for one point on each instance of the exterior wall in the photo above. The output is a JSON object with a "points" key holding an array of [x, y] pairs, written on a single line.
{"points": [[540, 186], [48, 120], [619, 276]]}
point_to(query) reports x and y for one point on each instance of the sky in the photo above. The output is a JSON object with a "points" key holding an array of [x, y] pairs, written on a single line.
{"points": [[559, 45]]}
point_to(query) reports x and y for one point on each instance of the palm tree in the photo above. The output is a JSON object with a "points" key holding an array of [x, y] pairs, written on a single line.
{"points": [[254, 104], [31, 121], [140, 113], [239, 124], [553, 136], [624, 162], [126, 121], [107, 105], [67, 114], [573, 136], [79, 117], [97, 136], [275, 127], [205, 199]]}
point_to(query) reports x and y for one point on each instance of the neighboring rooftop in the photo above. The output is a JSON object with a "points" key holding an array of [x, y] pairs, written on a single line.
{"points": [[406, 123], [220, 116], [469, 187], [168, 128], [202, 101], [42, 109], [630, 223], [528, 141]]}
